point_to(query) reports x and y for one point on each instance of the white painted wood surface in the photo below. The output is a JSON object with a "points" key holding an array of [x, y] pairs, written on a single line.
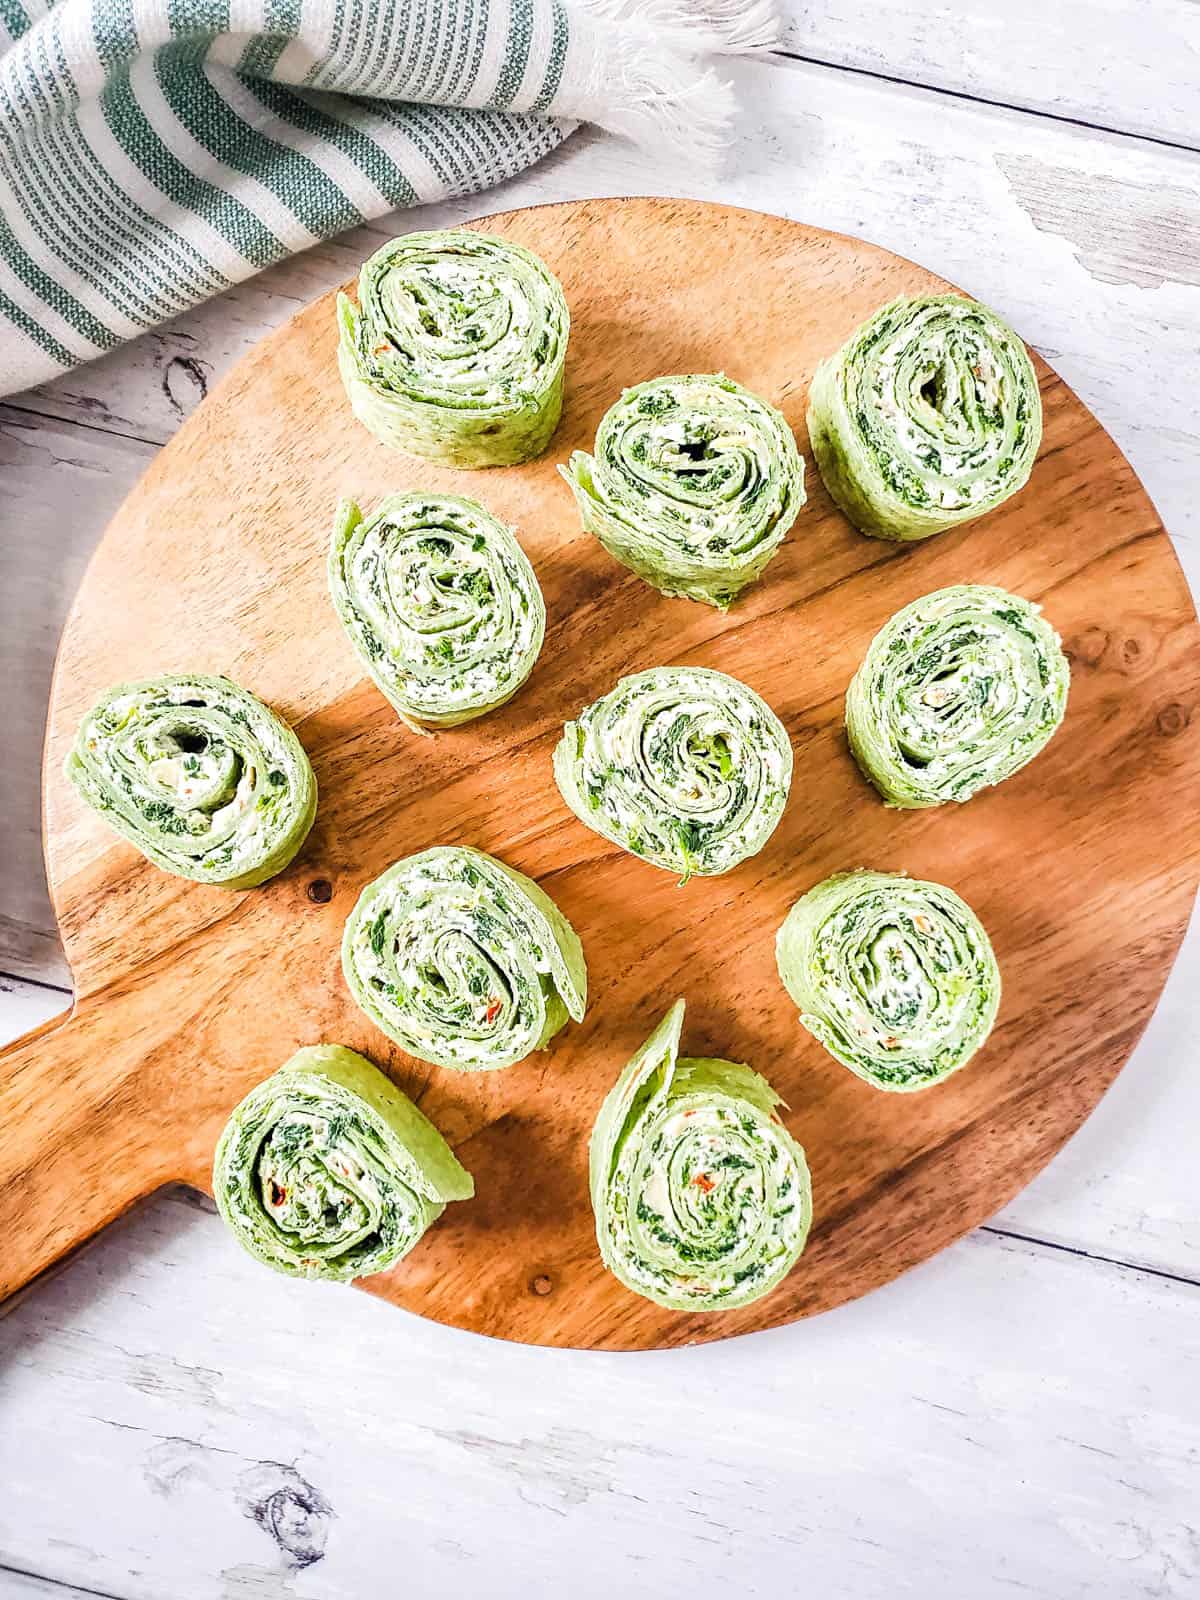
{"points": [[1021, 1414], [1131, 65], [1006, 1420]]}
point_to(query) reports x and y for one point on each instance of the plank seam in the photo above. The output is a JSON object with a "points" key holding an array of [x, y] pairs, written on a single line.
{"points": [[982, 100], [1090, 1255], [36, 983], [76, 422], [59, 1583]]}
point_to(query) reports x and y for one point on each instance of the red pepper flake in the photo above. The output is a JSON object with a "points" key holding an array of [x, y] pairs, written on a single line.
{"points": [[493, 1008], [381, 349], [704, 1183], [278, 1195]]}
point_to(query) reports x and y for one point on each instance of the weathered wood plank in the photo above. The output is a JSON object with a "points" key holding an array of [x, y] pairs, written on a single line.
{"points": [[25, 1006], [59, 484], [931, 1430], [1130, 65]]}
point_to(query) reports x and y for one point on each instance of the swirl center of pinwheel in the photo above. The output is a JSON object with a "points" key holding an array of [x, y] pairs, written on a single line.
{"points": [[686, 458], [437, 584], [952, 391], [313, 1185], [188, 767], [960, 695], [895, 975], [686, 757], [441, 973], [463, 986], [447, 309], [186, 774], [701, 1188], [939, 402], [715, 1184]]}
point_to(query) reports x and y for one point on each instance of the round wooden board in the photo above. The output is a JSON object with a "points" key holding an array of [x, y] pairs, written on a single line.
{"points": [[1082, 868]]}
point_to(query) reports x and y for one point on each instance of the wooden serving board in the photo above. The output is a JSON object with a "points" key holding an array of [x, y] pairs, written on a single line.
{"points": [[1082, 868]]}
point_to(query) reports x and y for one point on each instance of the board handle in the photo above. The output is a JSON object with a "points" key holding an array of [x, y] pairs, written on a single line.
{"points": [[78, 1142]]}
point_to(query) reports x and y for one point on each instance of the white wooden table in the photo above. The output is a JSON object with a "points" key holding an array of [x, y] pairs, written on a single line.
{"points": [[1020, 1415]]}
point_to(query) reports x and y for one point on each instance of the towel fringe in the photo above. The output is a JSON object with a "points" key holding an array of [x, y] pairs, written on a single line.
{"points": [[661, 100]]}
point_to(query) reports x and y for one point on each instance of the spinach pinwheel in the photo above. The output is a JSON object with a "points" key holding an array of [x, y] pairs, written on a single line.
{"points": [[683, 766], [199, 775], [895, 977], [693, 485], [956, 693], [455, 350], [439, 601], [326, 1170], [702, 1197], [462, 961], [928, 416]]}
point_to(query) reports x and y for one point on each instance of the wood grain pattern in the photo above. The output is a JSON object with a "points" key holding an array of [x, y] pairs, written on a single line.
{"points": [[1082, 868]]}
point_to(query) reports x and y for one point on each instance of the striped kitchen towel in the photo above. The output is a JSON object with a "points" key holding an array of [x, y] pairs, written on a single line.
{"points": [[154, 152]]}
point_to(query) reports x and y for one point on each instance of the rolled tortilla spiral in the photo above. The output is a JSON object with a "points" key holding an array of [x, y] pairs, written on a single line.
{"points": [[455, 350], [957, 692], [440, 602], [326, 1170], [894, 976], [702, 1198], [685, 767], [693, 485], [463, 961], [928, 416], [199, 775]]}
